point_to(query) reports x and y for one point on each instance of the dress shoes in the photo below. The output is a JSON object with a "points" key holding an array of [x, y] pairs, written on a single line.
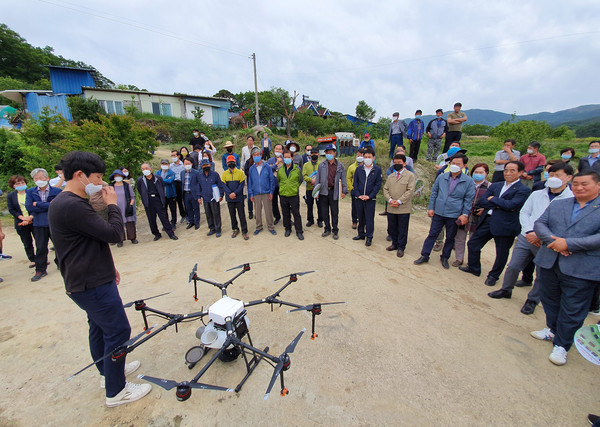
{"points": [[173, 237], [134, 241], [358, 238], [522, 284], [300, 236], [468, 269], [421, 260], [388, 238], [276, 221], [287, 233], [245, 236], [391, 248], [335, 236], [326, 233], [197, 226], [309, 223], [528, 307], [250, 215], [500, 293], [490, 281], [457, 263], [235, 233], [190, 225], [211, 232], [368, 242], [158, 236], [445, 263], [400, 253], [319, 224]]}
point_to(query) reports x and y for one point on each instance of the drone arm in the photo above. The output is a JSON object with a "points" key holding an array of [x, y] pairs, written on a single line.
{"points": [[218, 285], [255, 350], [230, 281], [276, 294], [289, 304]]}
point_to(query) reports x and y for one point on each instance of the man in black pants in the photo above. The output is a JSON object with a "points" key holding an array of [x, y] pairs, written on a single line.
{"points": [[177, 167], [331, 174], [86, 264], [152, 193], [367, 183]]}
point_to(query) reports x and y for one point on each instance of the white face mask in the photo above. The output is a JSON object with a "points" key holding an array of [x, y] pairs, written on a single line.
{"points": [[360, 159], [146, 172], [293, 149], [126, 173], [41, 184], [277, 154], [91, 189], [554, 182], [187, 167], [118, 178], [454, 168], [164, 167], [530, 151], [368, 161], [174, 159]]}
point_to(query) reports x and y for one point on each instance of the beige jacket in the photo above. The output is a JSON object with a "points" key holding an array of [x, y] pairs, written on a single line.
{"points": [[400, 189]]}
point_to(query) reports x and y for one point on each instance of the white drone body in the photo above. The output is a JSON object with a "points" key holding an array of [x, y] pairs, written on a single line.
{"points": [[215, 332]]}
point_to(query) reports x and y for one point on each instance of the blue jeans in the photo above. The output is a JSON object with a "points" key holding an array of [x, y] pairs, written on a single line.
{"points": [[395, 141], [438, 222], [109, 328]]}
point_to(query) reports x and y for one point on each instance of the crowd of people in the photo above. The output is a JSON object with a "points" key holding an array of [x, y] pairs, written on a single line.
{"points": [[556, 226]]}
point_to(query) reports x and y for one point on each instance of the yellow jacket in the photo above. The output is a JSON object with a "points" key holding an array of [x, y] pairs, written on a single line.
{"points": [[350, 176]]}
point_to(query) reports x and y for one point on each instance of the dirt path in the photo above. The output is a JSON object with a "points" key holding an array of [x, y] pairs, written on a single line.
{"points": [[414, 346]]}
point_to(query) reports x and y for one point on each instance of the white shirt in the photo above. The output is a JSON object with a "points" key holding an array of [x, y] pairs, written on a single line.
{"points": [[505, 187]]}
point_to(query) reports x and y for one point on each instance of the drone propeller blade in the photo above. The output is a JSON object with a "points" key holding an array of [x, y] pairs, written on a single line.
{"points": [[129, 304], [210, 387], [125, 344], [166, 384], [247, 263], [276, 373], [311, 306], [292, 346], [302, 273], [193, 273]]}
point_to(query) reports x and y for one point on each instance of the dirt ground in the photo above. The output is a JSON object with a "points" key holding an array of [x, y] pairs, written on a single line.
{"points": [[415, 345]]}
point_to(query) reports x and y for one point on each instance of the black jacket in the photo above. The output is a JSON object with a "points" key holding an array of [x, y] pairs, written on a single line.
{"points": [[505, 219]]}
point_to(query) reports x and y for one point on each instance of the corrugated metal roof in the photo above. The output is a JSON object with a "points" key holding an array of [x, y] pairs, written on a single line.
{"points": [[57, 103], [69, 80]]}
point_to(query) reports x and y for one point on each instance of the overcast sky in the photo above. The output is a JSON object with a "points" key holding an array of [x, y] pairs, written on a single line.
{"points": [[523, 56]]}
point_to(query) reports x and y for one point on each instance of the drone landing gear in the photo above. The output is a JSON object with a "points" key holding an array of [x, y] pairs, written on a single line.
{"points": [[250, 366]]}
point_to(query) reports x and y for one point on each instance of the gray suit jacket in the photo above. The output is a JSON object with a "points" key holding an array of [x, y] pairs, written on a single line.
{"points": [[582, 235]]}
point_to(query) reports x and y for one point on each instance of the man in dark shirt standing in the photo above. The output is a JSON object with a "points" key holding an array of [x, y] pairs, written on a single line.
{"points": [[152, 193], [81, 239]]}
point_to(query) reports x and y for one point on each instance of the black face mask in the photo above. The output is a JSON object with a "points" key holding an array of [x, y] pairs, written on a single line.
{"points": [[229, 149], [231, 165], [206, 169], [314, 157], [398, 167]]}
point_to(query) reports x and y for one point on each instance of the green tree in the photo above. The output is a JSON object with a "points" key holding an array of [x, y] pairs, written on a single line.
{"points": [[364, 111], [476, 130], [523, 132], [286, 106], [84, 109]]}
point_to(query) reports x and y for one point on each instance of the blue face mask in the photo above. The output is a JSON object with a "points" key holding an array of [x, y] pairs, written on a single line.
{"points": [[546, 175], [287, 161], [418, 117], [329, 156], [565, 156], [21, 187], [256, 159], [594, 150], [478, 177]]}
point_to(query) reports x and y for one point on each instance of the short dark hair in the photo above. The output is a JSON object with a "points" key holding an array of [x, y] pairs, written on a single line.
{"points": [[198, 147], [553, 162], [512, 141], [286, 151], [464, 158], [439, 110], [175, 151], [57, 167], [564, 150], [308, 145], [535, 144], [189, 159], [369, 150], [561, 166], [593, 142], [591, 173], [281, 145], [13, 180], [458, 104], [195, 130], [250, 137], [418, 111], [520, 165], [481, 165], [400, 156], [361, 151], [83, 161]]}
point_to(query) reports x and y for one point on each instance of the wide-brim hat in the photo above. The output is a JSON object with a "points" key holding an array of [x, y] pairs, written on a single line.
{"points": [[228, 144], [116, 172], [294, 143]]}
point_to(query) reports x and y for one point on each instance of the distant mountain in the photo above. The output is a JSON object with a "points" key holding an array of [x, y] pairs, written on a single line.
{"points": [[494, 118]]}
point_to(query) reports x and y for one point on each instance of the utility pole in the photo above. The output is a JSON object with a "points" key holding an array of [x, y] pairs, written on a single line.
{"points": [[255, 91]]}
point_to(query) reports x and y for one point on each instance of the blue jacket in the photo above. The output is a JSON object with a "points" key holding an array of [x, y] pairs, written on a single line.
{"points": [[263, 184], [456, 204], [582, 235], [505, 216], [194, 182], [367, 185], [168, 180], [40, 210], [224, 160], [369, 143], [415, 130], [437, 128], [206, 185]]}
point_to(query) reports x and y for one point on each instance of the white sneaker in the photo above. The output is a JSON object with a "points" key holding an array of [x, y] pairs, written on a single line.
{"points": [[558, 355], [130, 393], [544, 334], [130, 368]]}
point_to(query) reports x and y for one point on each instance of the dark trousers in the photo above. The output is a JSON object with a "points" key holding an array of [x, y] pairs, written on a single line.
{"points": [[41, 236], [451, 136], [154, 208], [266, 152], [326, 204], [179, 192], [275, 204], [109, 328], [414, 149], [172, 206], [193, 208], [438, 222], [366, 217], [498, 176], [481, 236], [212, 210], [354, 211], [26, 235], [566, 301], [130, 231], [310, 201], [398, 229], [595, 304], [291, 206], [395, 141], [239, 208], [528, 272]]}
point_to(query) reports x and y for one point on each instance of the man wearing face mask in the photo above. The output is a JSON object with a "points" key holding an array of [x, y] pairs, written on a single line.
{"points": [[502, 202], [37, 202], [294, 148], [177, 167], [397, 130], [261, 184], [528, 243], [350, 181], [152, 192], [266, 144], [367, 183], [289, 178], [309, 173], [88, 270], [233, 181], [168, 178], [229, 152], [398, 191], [436, 131], [211, 190], [276, 163], [332, 177], [196, 139], [534, 164], [590, 162], [414, 132], [190, 178], [306, 155]]}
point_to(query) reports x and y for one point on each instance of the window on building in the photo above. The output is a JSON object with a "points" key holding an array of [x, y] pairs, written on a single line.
{"points": [[112, 107], [161, 109]]}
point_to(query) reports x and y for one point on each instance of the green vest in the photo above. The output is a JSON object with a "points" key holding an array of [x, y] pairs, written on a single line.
{"points": [[288, 185]]}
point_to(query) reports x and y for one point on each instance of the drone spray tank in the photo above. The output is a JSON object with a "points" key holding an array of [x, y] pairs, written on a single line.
{"points": [[215, 332]]}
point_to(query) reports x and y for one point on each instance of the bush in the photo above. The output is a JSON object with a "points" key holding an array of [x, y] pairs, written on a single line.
{"points": [[523, 132], [84, 109]]}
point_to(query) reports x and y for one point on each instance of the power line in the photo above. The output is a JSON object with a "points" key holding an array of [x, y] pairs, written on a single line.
{"points": [[121, 20]]}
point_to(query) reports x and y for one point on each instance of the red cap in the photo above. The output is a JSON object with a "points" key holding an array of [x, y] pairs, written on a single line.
{"points": [[230, 159], [367, 135]]}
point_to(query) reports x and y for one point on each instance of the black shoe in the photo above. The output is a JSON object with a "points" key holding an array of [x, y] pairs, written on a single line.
{"points": [[120, 245], [384, 213], [173, 237], [309, 223], [300, 236], [593, 419], [528, 307], [421, 260], [38, 276], [445, 263], [335, 236], [468, 269], [158, 236], [276, 221], [326, 233], [500, 293], [358, 238], [388, 238], [211, 232], [522, 284], [287, 233], [196, 227], [174, 226], [190, 225], [134, 241], [368, 242], [490, 281], [182, 220], [218, 234], [320, 224], [250, 215]]}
